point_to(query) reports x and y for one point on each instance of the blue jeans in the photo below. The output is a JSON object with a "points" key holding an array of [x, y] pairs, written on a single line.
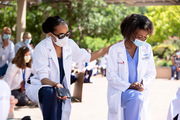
{"points": [[132, 101], [3, 70], [51, 105], [173, 70]]}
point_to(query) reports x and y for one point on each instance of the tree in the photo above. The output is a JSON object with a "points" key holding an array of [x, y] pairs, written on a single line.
{"points": [[166, 21]]}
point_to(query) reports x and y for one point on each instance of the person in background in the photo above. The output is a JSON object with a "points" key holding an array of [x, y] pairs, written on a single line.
{"points": [[103, 64], [95, 68], [89, 69], [26, 42], [176, 65], [6, 50], [32, 46], [130, 71], [7, 101], [174, 109], [18, 73]]}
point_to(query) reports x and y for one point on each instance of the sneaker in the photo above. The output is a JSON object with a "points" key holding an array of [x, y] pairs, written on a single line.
{"points": [[172, 78]]}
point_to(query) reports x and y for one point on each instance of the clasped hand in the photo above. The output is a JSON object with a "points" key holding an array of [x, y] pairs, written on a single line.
{"points": [[137, 86]]}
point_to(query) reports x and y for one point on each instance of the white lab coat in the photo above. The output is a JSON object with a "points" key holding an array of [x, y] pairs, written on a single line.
{"points": [[4, 100], [118, 82], [6, 54], [174, 107], [45, 64], [103, 62], [14, 76]]}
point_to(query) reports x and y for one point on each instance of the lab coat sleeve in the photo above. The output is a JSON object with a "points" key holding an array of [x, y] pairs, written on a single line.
{"points": [[40, 62], [150, 75], [10, 74], [112, 72], [12, 53], [79, 54], [1, 51]]}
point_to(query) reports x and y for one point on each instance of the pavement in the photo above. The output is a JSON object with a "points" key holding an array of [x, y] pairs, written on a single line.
{"points": [[94, 102]]}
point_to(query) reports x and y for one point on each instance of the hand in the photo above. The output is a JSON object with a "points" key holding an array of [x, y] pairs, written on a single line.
{"points": [[5, 43], [58, 85], [140, 88], [137, 86], [178, 69], [13, 102]]}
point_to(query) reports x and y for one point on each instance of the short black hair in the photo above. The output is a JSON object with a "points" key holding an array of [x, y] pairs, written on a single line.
{"points": [[51, 23], [131, 23]]}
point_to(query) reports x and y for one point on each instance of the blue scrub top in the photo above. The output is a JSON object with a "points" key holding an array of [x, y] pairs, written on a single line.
{"points": [[132, 66], [60, 61]]}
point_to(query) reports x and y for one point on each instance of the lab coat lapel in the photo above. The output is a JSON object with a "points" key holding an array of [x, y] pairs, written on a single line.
{"points": [[139, 64], [66, 63], [123, 57], [53, 54]]}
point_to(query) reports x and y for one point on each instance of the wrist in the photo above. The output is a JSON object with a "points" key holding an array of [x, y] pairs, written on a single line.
{"points": [[55, 84]]}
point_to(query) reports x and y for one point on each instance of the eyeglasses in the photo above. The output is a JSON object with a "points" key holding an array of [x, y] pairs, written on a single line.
{"points": [[62, 35]]}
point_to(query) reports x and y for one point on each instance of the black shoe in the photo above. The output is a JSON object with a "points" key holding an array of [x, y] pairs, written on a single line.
{"points": [[26, 118]]}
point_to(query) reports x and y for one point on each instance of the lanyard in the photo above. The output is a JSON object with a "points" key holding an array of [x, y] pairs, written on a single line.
{"points": [[23, 73]]}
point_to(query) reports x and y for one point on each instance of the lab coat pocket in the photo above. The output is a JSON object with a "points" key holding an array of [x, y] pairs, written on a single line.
{"points": [[120, 68], [113, 103]]}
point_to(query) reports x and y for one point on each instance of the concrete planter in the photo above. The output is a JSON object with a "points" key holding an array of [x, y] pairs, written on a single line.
{"points": [[163, 72]]}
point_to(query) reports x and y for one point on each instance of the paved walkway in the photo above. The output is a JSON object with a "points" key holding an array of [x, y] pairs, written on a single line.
{"points": [[94, 103]]}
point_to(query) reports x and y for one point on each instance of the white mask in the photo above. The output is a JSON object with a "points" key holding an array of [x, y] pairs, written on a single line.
{"points": [[60, 42], [27, 58]]}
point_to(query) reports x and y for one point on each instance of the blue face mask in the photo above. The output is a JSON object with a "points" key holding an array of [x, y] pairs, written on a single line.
{"points": [[6, 36], [139, 43], [28, 41]]}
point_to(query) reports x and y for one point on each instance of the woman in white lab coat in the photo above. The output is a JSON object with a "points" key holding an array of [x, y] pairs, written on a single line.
{"points": [[130, 71], [52, 60], [174, 108], [18, 73]]}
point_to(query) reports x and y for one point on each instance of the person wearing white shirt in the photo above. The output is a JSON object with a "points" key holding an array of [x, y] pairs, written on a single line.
{"points": [[174, 109], [6, 50], [89, 69], [103, 64], [7, 101], [26, 42], [4, 100], [18, 73], [52, 62], [130, 71]]}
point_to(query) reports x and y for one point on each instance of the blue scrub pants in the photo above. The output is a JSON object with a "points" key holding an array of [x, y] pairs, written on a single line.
{"points": [[51, 105], [132, 101], [3, 70], [173, 70]]}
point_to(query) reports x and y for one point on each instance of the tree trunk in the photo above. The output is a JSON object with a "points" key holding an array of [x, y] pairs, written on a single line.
{"points": [[70, 9], [80, 35]]}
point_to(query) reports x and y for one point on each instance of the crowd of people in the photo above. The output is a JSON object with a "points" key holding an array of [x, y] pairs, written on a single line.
{"points": [[35, 74]]}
